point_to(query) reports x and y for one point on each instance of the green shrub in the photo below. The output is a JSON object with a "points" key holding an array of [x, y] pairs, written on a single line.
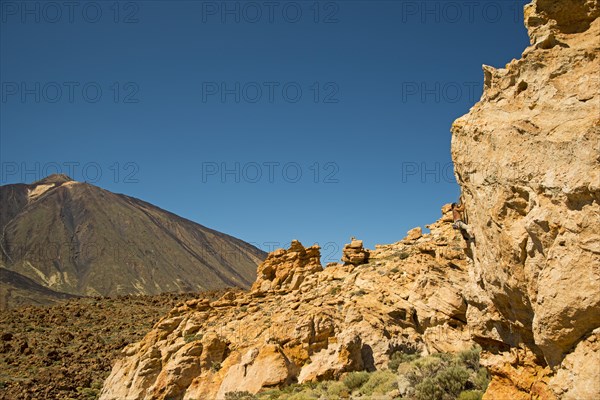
{"points": [[403, 255], [191, 338], [399, 357], [481, 380], [395, 361], [470, 358], [436, 377], [88, 393], [426, 367], [355, 380], [380, 382], [245, 395], [428, 390], [271, 394], [446, 357], [470, 395], [452, 380], [306, 395], [335, 290], [446, 376], [97, 385], [337, 390], [299, 387]]}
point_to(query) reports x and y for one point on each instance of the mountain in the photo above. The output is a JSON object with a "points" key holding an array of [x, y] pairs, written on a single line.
{"points": [[79, 239], [17, 290]]}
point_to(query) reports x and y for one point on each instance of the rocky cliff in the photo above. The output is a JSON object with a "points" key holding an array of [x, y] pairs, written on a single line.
{"points": [[527, 159], [302, 323]]}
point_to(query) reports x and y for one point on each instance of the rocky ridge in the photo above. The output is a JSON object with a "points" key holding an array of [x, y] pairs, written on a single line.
{"points": [[302, 323]]}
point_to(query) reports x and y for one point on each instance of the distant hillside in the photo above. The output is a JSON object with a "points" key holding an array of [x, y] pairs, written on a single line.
{"points": [[79, 239], [16, 290]]}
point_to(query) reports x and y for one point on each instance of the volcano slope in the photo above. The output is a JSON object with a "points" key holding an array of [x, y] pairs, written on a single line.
{"points": [[76, 238]]}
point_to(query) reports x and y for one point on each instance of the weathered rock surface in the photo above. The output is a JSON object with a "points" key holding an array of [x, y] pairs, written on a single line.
{"points": [[320, 326], [414, 233], [527, 159], [354, 253], [287, 269]]}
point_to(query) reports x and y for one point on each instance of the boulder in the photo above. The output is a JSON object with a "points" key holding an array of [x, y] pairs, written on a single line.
{"points": [[354, 253], [266, 367], [331, 362], [286, 269], [414, 234]]}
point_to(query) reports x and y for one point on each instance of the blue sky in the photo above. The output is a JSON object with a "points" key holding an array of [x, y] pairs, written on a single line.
{"points": [[265, 120]]}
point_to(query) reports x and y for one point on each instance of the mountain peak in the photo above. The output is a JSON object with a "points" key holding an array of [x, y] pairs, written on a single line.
{"points": [[160, 251], [54, 178]]}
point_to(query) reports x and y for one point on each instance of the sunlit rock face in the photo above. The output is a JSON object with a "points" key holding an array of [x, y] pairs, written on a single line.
{"points": [[303, 323], [528, 162]]}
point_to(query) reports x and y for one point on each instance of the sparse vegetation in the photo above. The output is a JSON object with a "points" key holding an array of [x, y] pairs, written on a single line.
{"points": [[404, 255], [380, 382], [215, 366], [88, 393], [193, 337], [355, 380], [245, 395], [470, 395], [446, 376], [435, 377], [337, 390], [295, 391], [86, 334], [470, 358], [400, 357]]}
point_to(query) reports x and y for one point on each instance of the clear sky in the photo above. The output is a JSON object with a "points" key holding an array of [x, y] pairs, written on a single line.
{"points": [[267, 120]]}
